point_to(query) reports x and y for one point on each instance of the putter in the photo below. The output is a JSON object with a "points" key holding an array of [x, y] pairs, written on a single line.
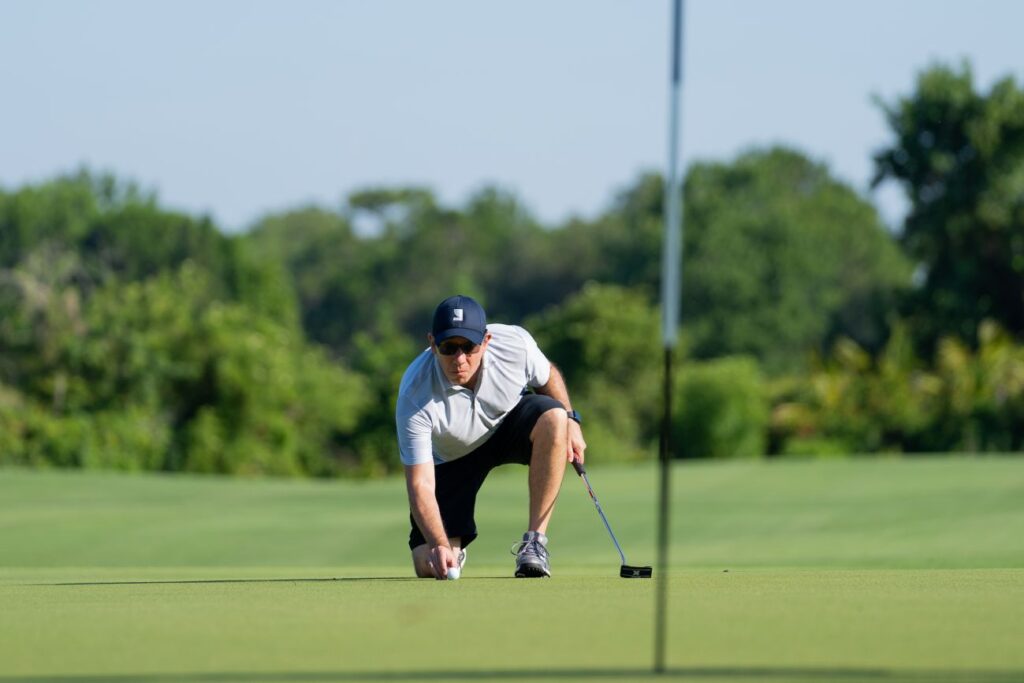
{"points": [[627, 571]]}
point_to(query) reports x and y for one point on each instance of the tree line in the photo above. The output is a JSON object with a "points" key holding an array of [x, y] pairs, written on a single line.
{"points": [[136, 337]]}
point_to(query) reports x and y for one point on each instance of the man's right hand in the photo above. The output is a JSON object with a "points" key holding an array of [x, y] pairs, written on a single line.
{"points": [[442, 557]]}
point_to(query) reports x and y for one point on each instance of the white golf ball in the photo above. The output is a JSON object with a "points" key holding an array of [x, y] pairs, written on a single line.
{"points": [[453, 573]]}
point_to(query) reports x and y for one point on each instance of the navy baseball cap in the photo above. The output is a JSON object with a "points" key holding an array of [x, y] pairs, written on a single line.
{"points": [[459, 316]]}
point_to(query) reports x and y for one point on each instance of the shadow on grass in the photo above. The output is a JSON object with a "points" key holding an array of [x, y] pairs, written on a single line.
{"points": [[160, 582], [845, 674]]}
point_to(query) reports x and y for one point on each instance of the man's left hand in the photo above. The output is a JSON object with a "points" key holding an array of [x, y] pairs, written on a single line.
{"points": [[575, 443]]}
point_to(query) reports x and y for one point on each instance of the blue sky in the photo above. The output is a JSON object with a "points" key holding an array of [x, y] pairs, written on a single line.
{"points": [[238, 108]]}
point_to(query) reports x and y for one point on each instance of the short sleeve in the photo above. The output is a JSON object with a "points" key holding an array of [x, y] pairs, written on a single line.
{"points": [[538, 367], [413, 427]]}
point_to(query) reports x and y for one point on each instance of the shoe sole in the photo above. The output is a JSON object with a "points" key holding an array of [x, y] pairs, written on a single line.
{"points": [[532, 571]]}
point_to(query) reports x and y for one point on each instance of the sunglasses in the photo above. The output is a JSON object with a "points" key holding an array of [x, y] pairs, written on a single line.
{"points": [[450, 348]]}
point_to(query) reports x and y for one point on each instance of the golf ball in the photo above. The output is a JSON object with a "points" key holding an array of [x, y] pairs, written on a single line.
{"points": [[453, 573]]}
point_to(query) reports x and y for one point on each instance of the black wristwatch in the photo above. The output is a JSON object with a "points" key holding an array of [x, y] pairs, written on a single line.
{"points": [[574, 416]]}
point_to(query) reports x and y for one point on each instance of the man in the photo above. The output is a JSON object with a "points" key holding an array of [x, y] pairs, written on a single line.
{"points": [[463, 409]]}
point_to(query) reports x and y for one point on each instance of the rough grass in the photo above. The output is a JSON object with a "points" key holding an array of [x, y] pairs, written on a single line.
{"points": [[873, 570]]}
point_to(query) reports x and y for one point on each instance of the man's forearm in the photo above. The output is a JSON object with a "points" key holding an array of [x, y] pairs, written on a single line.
{"points": [[423, 505]]}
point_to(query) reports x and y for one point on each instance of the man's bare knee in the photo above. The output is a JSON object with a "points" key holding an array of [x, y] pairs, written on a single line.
{"points": [[550, 426], [421, 562]]}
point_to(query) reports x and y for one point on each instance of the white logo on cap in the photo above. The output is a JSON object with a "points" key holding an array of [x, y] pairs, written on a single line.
{"points": [[457, 315]]}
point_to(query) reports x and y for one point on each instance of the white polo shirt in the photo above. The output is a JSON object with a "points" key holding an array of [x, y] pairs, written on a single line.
{"points": [[439, 421]]}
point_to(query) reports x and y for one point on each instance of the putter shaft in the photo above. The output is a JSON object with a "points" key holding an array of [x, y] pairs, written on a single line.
{"points": [[580, 470]]}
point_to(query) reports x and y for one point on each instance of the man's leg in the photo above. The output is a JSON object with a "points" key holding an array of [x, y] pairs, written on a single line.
{"points": [[548, 443], [547, 466]]}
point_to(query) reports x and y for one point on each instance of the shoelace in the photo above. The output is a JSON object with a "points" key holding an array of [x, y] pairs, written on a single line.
{"points": [[538, 548]]}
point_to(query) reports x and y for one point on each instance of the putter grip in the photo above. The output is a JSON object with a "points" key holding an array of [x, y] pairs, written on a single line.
{"points": [[580, 469]]}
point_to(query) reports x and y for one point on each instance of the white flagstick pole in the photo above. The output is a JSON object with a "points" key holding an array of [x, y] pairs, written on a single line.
{"points": [[670, 290]]}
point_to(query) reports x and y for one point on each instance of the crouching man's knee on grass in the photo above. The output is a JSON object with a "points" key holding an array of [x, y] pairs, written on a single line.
{"points": [[427, 562], [480, 396]]}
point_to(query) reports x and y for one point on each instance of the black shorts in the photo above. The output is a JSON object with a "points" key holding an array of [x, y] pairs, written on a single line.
{"points": [[457, 482]]}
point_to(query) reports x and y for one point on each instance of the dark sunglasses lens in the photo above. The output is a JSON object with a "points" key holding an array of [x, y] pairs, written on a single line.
{"points": [[451, 348]]}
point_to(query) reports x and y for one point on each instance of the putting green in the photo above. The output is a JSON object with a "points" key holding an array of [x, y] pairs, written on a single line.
{"points": [[852, 570]]}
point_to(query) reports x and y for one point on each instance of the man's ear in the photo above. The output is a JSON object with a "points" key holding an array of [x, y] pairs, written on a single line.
{"points": [[430, 338]]}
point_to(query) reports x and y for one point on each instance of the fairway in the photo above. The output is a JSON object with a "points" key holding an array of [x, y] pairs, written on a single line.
{"points": [[875, 570]]}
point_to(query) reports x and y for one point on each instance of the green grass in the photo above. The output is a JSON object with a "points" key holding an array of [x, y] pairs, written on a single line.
{"points": [[875, 570]]}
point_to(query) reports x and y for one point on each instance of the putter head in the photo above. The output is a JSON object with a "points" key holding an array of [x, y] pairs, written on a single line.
{"points": [[630, 572]]}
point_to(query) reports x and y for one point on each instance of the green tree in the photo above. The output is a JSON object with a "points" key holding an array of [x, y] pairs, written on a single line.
{"points": [[722, 411], [381, 360], [962, 400], [266, 403], [959, 155], [629, 237], [41, 312], [381, 264], [163, 374], [114, 230], [61, 211], [243, 391], [605, 340], [333, 272], [113, 226], [780, 258], [982, 402]]}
